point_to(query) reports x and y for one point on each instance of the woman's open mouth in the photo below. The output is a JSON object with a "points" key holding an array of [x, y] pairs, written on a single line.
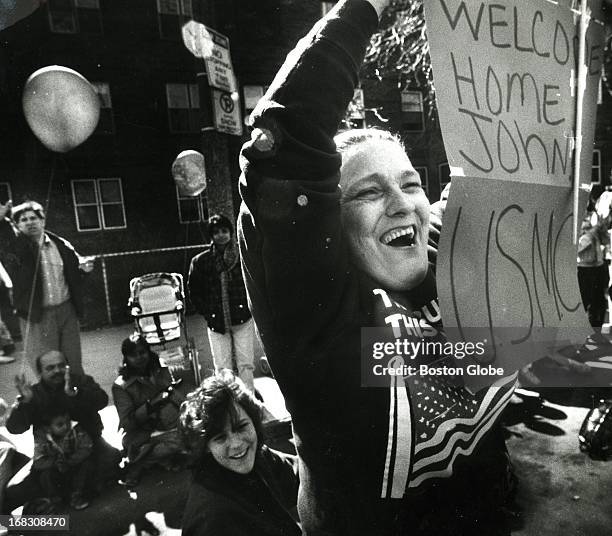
{"points": [[240, 455], [399, 237]]}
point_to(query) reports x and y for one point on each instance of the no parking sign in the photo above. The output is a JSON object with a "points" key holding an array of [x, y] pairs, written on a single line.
{"points": [[226, 108]]}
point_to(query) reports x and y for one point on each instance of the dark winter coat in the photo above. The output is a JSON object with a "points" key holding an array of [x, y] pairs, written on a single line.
{"points": [[19, 255], [204, 285], [83, 407], [222, 502]]}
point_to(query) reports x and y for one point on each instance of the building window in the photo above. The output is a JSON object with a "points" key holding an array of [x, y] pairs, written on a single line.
{"points": [[422, 171], [106, 123], [443, 175], [192, 209], [412, 111], [596, 169], [355, 113], [183, 107], [98, 204], [171, 15], [252, 95], [326, 7], [72, 16], [5, 192]]}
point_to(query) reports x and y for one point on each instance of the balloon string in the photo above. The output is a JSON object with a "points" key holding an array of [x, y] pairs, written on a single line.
{"points": [[186, 244], [36, 270]]}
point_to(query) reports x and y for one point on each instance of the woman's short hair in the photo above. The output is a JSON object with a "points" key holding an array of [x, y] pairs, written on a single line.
{"points": [[129, 346], [219, 221], [33, 206], [348, 139], [205, 411]]}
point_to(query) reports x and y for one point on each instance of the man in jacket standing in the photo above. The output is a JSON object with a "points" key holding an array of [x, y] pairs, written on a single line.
{"points": [[217, 291], [46, 273]]}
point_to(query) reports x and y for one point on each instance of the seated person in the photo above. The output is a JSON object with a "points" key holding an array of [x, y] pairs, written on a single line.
{"points": [[63, 461], [239, 486], [147, 401], [11, 460], [58, 388]]}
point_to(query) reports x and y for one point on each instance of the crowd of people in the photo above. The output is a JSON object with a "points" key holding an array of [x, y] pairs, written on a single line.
{"points": [[334, 235]]}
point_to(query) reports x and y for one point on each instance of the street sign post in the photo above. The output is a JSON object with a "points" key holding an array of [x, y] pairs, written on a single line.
{"points": [[227, 112], [219, 63]]}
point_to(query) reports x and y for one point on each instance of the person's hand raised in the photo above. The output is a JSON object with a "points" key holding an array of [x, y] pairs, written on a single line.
{"points": [[69, 389], [24, 388]]}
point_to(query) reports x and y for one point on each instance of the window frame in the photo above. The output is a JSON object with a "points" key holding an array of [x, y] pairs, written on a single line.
{"points": [[424, 174], [202, 207], [74, 13], [257, 91], [597, 166], [193, 113], [96, 85], [8, 188], [99, 204], [326, 7], [404, 111], [440, 183], [182, 16]]}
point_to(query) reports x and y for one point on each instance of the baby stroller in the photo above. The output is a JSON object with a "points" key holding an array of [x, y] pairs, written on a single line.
{"points": [[157, 304]]}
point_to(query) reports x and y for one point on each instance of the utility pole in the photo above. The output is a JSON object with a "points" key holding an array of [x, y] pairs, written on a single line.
{"points": [[215, 144]]}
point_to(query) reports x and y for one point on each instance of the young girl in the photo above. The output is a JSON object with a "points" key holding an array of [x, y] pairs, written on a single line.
{"points": [[240, 486]]}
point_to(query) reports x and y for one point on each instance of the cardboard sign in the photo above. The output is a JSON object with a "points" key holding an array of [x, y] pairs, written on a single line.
{"points": [[508, 270], [505, 76], [506, 83], [219, 63], [226, 107]]}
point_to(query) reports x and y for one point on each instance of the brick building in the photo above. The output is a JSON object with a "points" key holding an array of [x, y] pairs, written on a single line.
{"points": [[114, 195]]}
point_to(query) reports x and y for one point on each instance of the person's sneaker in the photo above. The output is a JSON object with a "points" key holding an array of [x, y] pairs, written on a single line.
{"points": [[4, 359], [78, 502]]}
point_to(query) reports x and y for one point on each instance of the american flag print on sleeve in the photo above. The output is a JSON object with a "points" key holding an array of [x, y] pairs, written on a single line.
{"points": [[432, 423]]}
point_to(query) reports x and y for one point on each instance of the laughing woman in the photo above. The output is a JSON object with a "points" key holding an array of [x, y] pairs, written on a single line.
{"points": [[334, 236], [240, 487]]}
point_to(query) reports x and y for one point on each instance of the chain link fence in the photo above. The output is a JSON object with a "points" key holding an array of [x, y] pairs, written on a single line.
{"points": [[107, 288]]}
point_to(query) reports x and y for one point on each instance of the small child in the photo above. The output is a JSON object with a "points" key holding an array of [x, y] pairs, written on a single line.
{"points": [[63, 461]]}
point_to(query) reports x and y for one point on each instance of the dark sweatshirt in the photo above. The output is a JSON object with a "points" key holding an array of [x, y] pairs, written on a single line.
{"points": [[222, 502], [372, 460]]}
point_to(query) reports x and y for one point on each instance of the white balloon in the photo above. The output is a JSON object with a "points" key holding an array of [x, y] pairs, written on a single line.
{"points": [[189, 172], [61, 107], [603, 204], [197, 39]]}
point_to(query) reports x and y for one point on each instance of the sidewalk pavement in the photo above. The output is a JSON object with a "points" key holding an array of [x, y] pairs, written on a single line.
{"points": [[102, 355]]}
